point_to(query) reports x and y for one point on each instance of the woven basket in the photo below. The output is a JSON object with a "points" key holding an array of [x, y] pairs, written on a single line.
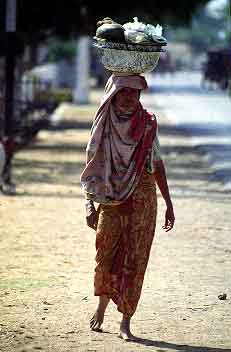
{"points": [[127, 58]]}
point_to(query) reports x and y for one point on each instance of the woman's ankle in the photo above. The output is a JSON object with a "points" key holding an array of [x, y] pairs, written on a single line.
{"points": [[103, 302], [125, 322]]}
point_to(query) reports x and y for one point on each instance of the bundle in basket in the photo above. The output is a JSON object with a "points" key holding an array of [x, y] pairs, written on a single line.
{"points": [[131, 48]]}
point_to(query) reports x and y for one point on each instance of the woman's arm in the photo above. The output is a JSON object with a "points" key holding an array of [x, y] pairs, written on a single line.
{"points": [[91, 215], [161, 179]]}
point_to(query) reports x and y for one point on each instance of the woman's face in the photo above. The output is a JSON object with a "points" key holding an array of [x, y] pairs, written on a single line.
{"points": [[126, 100]]}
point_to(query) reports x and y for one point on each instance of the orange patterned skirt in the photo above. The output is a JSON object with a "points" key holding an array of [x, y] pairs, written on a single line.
{"points": [[123, 241]]}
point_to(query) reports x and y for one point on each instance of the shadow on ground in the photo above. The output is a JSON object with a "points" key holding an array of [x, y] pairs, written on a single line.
{"points": [[196, 130], [184, 163], [177, 347], [70, 125]]}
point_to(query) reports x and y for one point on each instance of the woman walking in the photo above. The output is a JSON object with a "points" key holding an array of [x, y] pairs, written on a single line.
{"points": [[123, 166]]}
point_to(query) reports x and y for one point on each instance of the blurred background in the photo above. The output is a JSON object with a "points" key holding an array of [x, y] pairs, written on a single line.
{"points": [[47, 59], [51, 83]]}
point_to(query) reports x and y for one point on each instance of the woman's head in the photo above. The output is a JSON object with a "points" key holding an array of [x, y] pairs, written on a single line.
{"points": [[126, 100]]}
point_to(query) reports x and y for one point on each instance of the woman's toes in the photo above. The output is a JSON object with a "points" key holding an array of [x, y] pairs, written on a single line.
{"points": [[96, 322], [97, 329]]}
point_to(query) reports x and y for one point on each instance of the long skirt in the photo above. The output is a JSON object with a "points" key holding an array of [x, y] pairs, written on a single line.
{"points": [[124, 237]]}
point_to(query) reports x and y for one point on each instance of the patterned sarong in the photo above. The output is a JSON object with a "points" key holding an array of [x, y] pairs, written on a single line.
{"points": [[123, 241]]}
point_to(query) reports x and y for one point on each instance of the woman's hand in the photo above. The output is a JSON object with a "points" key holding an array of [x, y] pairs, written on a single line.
{"points": [[169, 218], [91, 215]]}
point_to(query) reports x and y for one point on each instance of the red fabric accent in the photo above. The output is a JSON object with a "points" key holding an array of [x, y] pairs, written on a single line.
{"points": [[137, 124], [145, 143]]}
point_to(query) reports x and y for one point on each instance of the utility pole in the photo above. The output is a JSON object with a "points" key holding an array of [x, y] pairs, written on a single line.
{"points": [[7, 186], [10, 65]]}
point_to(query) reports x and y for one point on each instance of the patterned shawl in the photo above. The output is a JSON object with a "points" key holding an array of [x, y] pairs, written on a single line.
{"points": [[118, 147]]}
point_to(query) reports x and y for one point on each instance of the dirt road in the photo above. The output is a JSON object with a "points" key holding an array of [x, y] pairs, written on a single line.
{"points": [[47, 254]]}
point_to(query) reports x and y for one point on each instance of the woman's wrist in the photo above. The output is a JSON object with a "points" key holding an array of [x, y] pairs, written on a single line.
{"points": [[89, 202], [168, 203], [89, 205]]}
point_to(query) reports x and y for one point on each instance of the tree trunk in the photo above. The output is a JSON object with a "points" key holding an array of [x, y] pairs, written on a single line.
{"points": [[81, 91]]}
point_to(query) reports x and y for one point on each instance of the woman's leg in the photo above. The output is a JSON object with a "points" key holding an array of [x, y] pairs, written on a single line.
{"points": [[139, 239], [97, 319], [125, 332], [123, 242], [107, 239]]}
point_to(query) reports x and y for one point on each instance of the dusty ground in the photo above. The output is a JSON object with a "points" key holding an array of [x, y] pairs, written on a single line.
{"points": [[47, 255]]}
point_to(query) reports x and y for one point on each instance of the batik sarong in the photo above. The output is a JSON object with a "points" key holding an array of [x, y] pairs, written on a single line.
{"points": [[123, 241]]}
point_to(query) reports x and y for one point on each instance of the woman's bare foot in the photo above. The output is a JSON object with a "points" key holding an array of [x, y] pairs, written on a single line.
{"points": [[125, 332], [97, 319]]}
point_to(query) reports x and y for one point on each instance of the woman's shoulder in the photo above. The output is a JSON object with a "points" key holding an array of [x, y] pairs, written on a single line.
{"points": [[153, 118]]}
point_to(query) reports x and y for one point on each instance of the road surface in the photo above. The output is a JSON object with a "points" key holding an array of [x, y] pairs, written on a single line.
{"points": [[203, 114]]}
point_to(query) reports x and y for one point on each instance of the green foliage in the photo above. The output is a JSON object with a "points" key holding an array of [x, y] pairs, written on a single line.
{"points": [[58, 49], [226, 16], [205, 32], [37, 20], [56, 96]]}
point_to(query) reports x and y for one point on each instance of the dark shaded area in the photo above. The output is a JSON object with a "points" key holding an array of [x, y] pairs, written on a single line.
{"points": [[70, 125], [219, 147], [67, 195], [195, 129], [36, 21], [177, 347], [48, 172], [217, 152], [184, 163], [217, 67], [64, 148]]}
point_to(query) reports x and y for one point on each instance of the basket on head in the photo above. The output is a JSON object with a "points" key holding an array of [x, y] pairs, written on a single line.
{"points": [[127, 58]]}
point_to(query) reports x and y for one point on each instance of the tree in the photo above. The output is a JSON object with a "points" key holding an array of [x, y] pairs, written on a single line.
{"points": [[207, 30], [37, 20]]}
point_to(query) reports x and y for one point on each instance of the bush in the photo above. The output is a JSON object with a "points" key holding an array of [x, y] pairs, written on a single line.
{"points": [[59, 50], [56, 96]]}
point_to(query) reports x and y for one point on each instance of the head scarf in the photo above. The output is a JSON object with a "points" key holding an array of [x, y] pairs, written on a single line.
{"points": [[118, 147]]}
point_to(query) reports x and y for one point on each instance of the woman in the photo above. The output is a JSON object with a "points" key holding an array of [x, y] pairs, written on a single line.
{"points": [[123, 166]]}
